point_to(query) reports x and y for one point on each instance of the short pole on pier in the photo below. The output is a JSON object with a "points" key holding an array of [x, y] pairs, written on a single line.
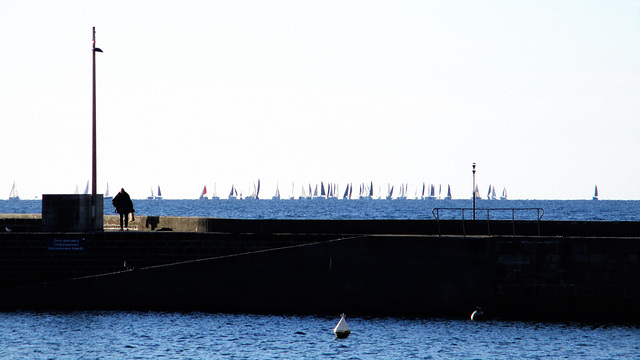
{"points": [[473, 191]]}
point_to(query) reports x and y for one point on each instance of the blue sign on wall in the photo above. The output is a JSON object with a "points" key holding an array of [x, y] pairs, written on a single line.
{"points": [[66, 244]]}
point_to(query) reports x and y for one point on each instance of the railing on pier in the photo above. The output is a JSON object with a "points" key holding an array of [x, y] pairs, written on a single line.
{"points": [[498, 214]]}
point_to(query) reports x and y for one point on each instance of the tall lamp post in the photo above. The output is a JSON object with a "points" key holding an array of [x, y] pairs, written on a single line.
{"points": [[93, 148], [473, 191]]}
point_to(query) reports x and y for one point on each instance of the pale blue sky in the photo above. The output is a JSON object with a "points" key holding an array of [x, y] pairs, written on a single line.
{"points": [[543, 95]]}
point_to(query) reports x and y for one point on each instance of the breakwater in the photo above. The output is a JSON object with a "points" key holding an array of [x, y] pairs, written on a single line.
{"points": [[523, 269]]}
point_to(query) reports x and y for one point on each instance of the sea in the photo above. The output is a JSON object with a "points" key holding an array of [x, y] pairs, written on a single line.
{"points": [[162, 335], [336, 209], [198, 335]]}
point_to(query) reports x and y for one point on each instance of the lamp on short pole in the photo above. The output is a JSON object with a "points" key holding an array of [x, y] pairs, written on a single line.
{"points": [[473, 191]]}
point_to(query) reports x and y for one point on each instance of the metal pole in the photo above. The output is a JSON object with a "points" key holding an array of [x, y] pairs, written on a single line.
{"points": [[94, 180], [93, 144], [473, 191]]}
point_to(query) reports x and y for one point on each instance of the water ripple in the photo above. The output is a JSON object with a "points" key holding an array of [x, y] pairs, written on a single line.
{"points": [[151, 335]]}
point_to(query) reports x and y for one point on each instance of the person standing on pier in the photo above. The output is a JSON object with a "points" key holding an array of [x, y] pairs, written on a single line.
{"points": [[124, 206]]}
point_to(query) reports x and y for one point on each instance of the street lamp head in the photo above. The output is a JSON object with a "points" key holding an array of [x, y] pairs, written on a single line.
{"points": [[97, 49]]}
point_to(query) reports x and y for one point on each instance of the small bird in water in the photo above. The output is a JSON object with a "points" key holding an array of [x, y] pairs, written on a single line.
{"points": [[478, 314]]}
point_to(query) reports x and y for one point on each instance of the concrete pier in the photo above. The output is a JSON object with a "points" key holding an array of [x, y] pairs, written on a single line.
{"points": [[572, 271]]}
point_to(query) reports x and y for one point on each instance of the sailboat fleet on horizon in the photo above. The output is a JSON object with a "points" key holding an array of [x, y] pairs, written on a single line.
{"points": [[365, 192], [330, 191]]}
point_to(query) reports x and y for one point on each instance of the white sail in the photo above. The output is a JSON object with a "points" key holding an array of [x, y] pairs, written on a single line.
{"points": [[13, 195], [476, 193], [389, 191], [293, 189], [254, 192], [215, 196], [504, 194], [402, 195], [366, 191]]}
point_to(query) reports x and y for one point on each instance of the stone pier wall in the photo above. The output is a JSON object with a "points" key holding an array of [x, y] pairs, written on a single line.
{"points": [[362, 267]]}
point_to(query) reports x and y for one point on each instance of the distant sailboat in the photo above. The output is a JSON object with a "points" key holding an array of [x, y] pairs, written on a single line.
{"points": [[159, 194], [504, 194], [86, 189], [332, 192], [151, 197], [448, 197], [293, 189], [595, 195], [215, 196], [403, 192], [346, 192], [428, 192], [366, 191], [13, 195], [233, 195], [277, 195], [476, 194], [106, 193], [255, 194], [203, 195]]}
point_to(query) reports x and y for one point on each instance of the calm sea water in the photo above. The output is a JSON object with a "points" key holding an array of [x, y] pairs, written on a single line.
{"points": [[150, 335], [603, 210], [135, 335]]}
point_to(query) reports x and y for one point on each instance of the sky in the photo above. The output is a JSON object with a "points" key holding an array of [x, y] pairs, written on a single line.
{"points": [[544, 96]]}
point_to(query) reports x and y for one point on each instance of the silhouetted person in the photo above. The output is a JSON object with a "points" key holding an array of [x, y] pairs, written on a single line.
{"points": [[124, 206]]}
